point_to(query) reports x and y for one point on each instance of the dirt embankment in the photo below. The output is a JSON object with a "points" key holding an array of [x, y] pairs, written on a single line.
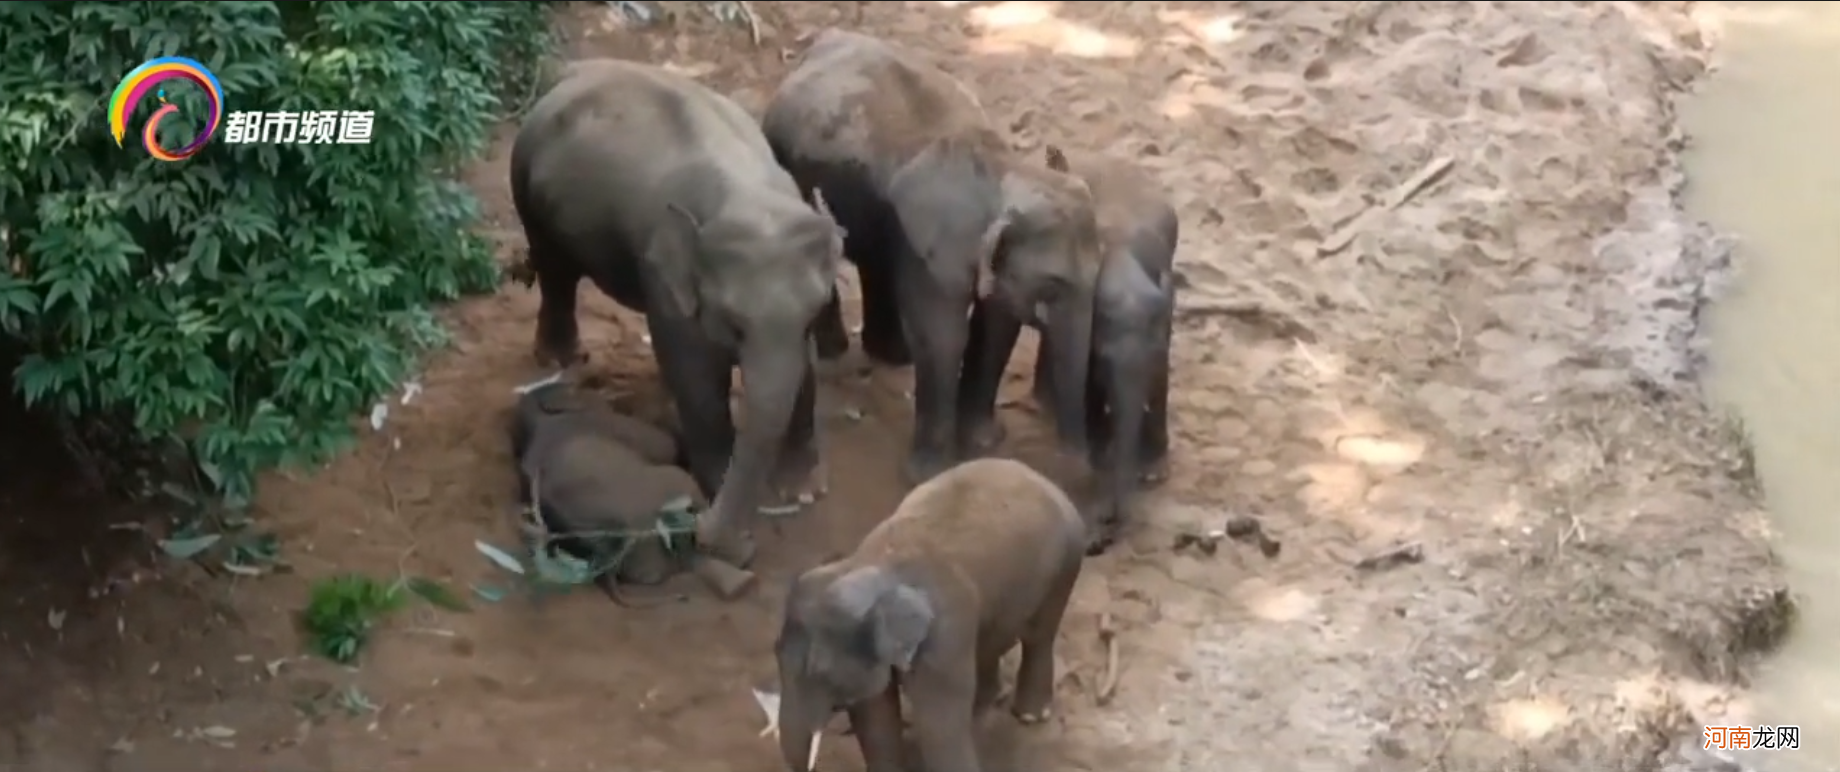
{"points": [[1434, 274]]}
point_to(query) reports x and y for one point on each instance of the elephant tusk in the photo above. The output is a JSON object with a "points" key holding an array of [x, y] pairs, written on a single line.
{"points": [[811, 761]]}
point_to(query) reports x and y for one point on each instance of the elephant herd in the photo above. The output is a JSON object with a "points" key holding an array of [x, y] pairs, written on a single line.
{"points": [[727, 233]]}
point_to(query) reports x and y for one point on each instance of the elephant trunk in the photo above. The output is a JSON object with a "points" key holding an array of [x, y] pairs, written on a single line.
{"points": [[1127, 392], [1070, 324], [772, 371], [801, 720]]}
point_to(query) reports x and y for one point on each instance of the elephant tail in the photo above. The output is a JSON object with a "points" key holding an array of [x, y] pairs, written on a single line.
{"points": [[522, 271]]}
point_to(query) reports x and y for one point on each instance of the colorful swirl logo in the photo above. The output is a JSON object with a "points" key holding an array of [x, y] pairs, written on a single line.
{"points": [[147, 78]]}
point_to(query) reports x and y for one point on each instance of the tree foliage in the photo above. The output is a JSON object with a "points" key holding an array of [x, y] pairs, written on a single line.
{"points": [[249, 300]]}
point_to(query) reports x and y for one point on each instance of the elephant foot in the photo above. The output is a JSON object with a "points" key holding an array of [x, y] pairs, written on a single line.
{"points": [[986, 697], [984, 436], [1100, 537], [1033, 717], [725, 543], [923, 465], [1155, 471], [889, 350], [800, 480], [559, 354]]}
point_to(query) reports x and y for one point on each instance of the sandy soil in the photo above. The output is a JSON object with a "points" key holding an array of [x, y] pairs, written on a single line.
{"points": [[1490, 367]]}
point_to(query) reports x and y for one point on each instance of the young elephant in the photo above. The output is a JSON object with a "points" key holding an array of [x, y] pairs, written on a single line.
{"points": [[666, 195], [595, 470], [1127, 398], [937, 212], [973, 561]]}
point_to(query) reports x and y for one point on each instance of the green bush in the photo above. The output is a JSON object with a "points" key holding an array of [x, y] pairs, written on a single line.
{"points": [[250, 300]]}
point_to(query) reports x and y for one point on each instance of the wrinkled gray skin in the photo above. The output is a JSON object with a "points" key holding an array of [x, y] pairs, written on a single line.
{"points": [[1127, 398], [665, 194], [596, 470], [937, 211], [973, 562]]}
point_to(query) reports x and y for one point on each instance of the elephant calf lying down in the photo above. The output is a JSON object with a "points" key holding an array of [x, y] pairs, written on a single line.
{"points": [[593, 470], [974, 561]]}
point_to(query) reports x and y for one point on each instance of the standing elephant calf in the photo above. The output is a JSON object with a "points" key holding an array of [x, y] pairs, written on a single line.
{"points": [[590, 469], [974, 561], [666, 195], [937, 212], [1127, 398]]}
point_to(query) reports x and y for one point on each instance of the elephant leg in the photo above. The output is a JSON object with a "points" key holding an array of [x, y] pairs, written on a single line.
{"points": [[987, 351], [699, 376], [1035, 675], [832, 339], [1098, 421], [1155, 453], [800, 475], [936, 328], [989, 682], [943, 724], [876, 722], [1043, 387], [558, 337], [882, 336]]}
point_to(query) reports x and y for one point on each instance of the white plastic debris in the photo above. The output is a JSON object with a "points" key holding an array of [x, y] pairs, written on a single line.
{"points": [[538, 384], [769, 704]]}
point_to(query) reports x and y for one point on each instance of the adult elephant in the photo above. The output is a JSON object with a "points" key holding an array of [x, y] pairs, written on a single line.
{"points": [[1127, 400], [666, 195], [937, 212]]}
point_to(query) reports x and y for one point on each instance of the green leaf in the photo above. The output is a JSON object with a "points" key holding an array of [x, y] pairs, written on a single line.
{"points": [[437, 595], [181, 295], [501, 557], [562, 568], [342, 612], [186, 549]]}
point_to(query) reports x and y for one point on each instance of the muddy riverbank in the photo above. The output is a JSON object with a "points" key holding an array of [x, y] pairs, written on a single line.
{"points": [[1762, 167]]}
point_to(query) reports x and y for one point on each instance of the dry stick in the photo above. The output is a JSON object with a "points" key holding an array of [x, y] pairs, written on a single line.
{"points": [[1108, 682], [753, 22], [395, 504], [1400, 194]]}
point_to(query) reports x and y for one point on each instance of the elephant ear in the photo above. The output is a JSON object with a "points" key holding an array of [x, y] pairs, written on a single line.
{"points": [[902, 620], [897, 615], [672, 257], [950, 204]]}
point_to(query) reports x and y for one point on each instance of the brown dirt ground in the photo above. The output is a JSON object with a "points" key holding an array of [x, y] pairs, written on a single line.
{"points": [[1451, 378]]}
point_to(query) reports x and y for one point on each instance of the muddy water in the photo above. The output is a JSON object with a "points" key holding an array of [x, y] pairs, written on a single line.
{"points": [[1766, 166]]}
